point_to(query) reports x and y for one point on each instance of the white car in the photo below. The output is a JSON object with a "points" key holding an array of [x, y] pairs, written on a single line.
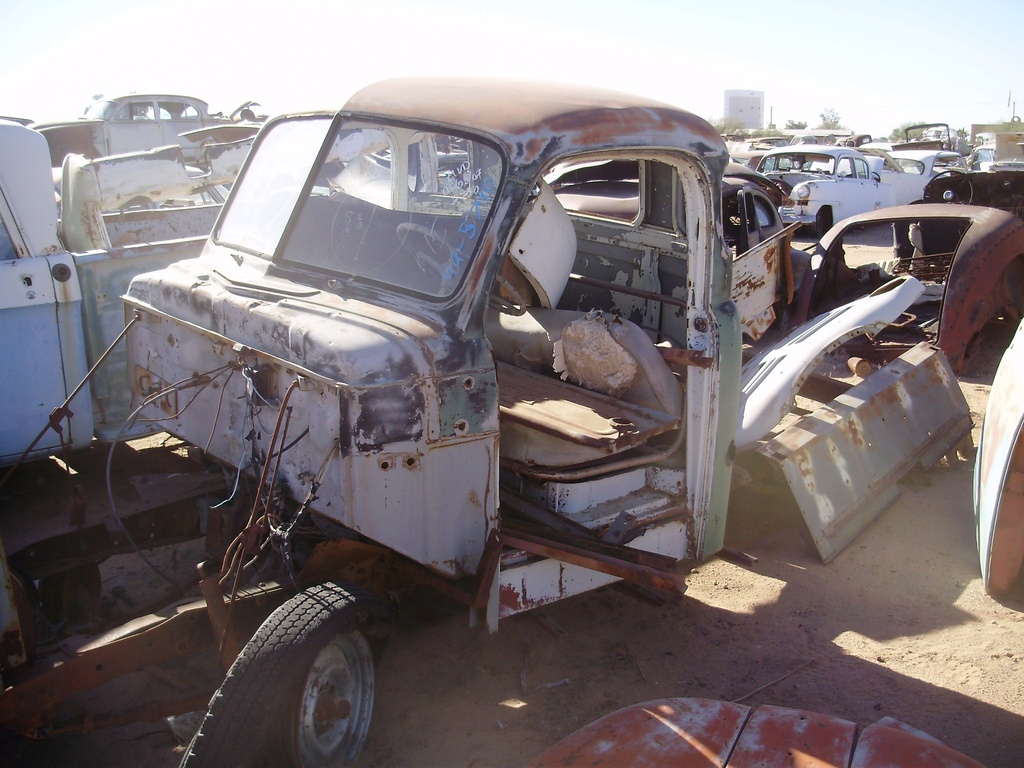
{"points": [[909, 170], [929, 162], [983, 156], [826, 184], [140, 122]]}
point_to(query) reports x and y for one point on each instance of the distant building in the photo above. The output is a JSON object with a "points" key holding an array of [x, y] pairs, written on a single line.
{"points": [[745, 108]]}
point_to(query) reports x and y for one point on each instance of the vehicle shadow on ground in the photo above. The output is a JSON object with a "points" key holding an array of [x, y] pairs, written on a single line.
{"points": [[890, 628]]}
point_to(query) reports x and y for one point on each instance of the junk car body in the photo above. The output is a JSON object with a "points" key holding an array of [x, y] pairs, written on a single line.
{"points": [[144, 121], [1001, 186], [421, 359], [933, 136], [971, 257], [62, 273], [929, 163], [418, 368]]}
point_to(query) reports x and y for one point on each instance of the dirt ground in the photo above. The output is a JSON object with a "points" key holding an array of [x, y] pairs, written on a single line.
{"points": [[898, 624]]}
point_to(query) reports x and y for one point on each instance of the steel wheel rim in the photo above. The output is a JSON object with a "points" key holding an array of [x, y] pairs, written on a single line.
{"points": [[336, 703]]}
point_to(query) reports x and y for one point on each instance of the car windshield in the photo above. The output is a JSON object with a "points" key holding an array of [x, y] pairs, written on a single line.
{"points": [[986, 154], [910, 166], [100, 110], [399, 206], [798, 162]]}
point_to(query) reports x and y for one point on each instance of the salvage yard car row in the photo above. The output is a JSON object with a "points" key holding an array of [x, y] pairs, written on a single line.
{"points": [[510, 355]]}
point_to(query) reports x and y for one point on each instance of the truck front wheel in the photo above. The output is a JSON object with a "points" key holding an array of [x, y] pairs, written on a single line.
{"points": [[301, 691]]}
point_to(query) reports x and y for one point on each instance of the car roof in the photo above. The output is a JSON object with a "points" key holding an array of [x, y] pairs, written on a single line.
{"points": [[154, 96], [539, 122], [814, 149]]}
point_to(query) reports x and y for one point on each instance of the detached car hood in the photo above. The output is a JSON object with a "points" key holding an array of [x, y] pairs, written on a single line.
{"points": [[363, 344]]}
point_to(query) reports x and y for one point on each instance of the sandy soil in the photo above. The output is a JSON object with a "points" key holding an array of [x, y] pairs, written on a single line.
{"points": [[898, 624]]}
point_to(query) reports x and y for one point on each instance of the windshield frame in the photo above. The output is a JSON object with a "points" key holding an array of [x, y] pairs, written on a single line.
{"points": [[412, 191]]}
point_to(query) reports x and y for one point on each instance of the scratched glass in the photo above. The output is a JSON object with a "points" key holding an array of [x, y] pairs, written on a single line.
{"points": [[396, 206], [265, 196]]}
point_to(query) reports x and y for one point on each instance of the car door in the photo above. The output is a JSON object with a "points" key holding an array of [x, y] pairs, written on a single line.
{"points": [[177, 116], [134, 127], [42, 348], [860, 192]]}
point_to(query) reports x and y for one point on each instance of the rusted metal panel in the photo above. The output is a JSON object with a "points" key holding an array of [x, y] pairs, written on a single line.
{"points": [[706, 733], [761, 277], [775, 737], [92, 188], [128, 228], [985, 280], [891, 743], [541, 121], [527, 583], [388, 472], [842, 461], [82, 137], [999, 475], [225, 159], [104, 277], [605, 559], [683, 733]]}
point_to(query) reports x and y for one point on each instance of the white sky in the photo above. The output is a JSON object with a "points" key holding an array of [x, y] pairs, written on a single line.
{"points": [[878, 65]]}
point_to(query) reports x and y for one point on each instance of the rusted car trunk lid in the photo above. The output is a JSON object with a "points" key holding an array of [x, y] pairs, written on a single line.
{"points": [[692, 733]]}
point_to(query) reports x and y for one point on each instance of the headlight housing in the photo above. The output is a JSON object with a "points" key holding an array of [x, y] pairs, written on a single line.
{"points": [[802, 192]]}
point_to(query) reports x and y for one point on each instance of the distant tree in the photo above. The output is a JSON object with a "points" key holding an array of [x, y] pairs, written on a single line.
{"points": [[900, 133], [830, 119], [793, 125], [727, 125]]}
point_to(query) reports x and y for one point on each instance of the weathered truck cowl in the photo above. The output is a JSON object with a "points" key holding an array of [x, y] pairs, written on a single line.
{"points": [[396, 409], [372, 427]]}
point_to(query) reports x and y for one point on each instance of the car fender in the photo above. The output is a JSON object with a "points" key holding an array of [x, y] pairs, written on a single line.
{"points": [[770, 380], [999, 475], [986, 279]]}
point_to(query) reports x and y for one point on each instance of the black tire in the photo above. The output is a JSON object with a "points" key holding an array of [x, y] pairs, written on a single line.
{"points": [[267, 705], [823, 221]]}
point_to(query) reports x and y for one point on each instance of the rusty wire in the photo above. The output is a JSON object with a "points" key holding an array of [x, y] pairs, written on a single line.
{"points": [[231, 566]]}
